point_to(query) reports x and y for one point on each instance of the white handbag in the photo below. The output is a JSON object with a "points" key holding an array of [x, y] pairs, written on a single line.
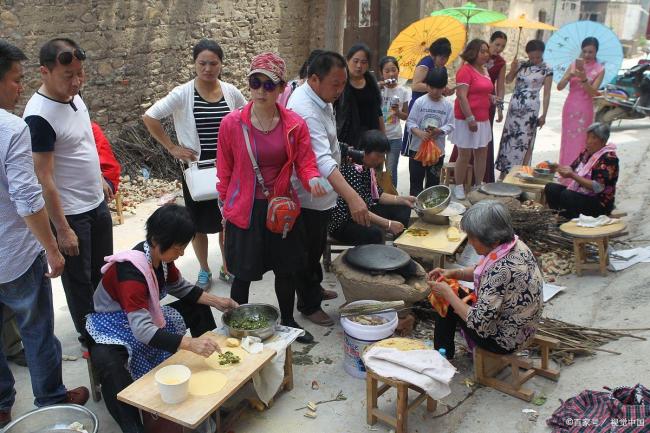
{"points": [[201, 180]]}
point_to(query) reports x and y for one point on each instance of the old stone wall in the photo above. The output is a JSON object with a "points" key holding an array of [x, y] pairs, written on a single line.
{"points": [[138, 50]]}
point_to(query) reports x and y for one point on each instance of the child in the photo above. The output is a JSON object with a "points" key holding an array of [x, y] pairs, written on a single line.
{"points": [[431, 117], [394, 106]]}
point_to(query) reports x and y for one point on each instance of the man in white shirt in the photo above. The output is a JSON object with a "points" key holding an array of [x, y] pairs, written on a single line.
{"points": [[67, 165], [28, 247], [326, 79]]}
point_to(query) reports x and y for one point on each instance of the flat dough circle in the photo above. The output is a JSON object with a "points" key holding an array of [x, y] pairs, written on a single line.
{"points": [[213, 360], [206, 382]]}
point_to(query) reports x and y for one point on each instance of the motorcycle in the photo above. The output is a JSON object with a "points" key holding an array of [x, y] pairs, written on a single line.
{"points": [[628, 97]]}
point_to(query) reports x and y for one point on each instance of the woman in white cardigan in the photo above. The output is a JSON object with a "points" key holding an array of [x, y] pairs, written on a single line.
{"points": [[197, 108]]}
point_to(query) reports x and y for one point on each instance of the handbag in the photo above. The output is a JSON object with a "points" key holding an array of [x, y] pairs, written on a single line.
{"points": [[201, 180], [281, 212]]}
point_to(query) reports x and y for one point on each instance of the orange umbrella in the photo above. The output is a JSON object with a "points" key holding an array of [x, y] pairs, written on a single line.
{"points": [[412, 43], [522, 23]]}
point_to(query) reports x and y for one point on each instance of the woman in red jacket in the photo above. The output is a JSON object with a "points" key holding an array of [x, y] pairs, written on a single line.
{"points": [[280, 142]]}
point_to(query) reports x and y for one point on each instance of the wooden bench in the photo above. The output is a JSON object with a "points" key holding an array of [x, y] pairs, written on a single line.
{"points": [[488, 365], [400, 420]]}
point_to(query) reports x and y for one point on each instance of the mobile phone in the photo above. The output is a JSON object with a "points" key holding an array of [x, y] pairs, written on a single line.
{"points": [[580, 64]]}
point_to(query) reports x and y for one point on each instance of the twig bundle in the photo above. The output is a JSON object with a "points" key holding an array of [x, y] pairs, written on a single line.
{"points": [[537, 226]]}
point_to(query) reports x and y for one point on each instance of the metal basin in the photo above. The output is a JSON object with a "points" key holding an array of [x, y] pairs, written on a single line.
{"points": [[54, 419], [429, 214], [271, 313]]}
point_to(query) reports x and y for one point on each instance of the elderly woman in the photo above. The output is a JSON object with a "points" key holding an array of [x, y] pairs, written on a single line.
{"points": [[132, 332], [591, 178], [507, 282], [278, 139], [197, 108], [388, 212]]}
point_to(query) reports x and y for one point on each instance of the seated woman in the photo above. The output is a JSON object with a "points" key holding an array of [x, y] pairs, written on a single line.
{"points": [[388, 212], [132, 332], [591, 186], [507, 281]]}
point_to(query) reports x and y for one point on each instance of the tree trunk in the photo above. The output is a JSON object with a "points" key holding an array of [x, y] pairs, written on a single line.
{"points": [[334, 25]]}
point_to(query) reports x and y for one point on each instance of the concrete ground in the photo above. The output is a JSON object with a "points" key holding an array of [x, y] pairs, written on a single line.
{"points": [[619, 300]]}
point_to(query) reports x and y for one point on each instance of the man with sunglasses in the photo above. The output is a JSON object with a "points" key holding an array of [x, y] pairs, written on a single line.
{"points": [[67, 165], [326, 79], [28, 247]]}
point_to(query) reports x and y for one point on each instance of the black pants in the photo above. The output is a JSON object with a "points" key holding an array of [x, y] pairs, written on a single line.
{"points": [[109, 362], [82, 273], [352, 233], [284, 290], [443, 335], [419, 174], [572, 203], [314, 237]]}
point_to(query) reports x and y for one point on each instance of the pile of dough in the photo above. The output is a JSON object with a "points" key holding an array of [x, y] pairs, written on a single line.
{"points": [[213, 360], [401, 344], [206, 382]]}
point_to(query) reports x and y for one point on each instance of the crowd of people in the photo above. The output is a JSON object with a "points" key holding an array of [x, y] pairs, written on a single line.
{"points": [[294, 164]]}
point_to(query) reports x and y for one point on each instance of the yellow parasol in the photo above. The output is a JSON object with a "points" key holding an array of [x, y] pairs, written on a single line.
{"points": [[522, 23], [412, 43]]}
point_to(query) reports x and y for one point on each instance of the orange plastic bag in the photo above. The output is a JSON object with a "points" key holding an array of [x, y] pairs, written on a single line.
{"points": [[428, 154], [441, 305]]}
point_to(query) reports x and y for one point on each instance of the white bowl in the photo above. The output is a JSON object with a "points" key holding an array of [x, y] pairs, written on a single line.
{"points": [[173, 382]]}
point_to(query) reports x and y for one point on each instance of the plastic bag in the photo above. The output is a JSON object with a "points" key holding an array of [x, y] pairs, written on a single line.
{"points": [[429, 153]]}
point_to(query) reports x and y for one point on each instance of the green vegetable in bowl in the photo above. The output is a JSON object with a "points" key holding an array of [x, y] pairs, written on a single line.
{"points": [[436, 198], [249, 323]]}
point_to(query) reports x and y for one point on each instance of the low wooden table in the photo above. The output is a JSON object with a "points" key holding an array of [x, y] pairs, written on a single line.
{"points": [[596, 235], [533, 188], [144, 394], [433, 243]]}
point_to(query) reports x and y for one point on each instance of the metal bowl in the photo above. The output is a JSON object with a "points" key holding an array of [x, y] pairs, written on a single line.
{"points": [[54, 419], [428, 214], [252, 310]]}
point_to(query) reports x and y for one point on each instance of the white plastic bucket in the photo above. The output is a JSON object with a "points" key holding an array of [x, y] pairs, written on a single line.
{"points": [[358, 336], [173, 382]]}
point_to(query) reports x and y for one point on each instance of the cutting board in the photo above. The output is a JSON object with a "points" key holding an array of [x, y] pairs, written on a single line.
{"points": [[435, 241], [143, 393]]}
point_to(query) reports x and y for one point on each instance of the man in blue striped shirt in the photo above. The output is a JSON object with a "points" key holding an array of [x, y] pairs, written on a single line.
{"points": [[25, 231]]}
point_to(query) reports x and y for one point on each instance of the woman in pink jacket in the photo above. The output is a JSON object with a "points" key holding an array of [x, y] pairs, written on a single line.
{"points": [[280, 142]]}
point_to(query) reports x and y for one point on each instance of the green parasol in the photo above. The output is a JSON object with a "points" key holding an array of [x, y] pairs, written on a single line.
{"points": [[470, 14]]}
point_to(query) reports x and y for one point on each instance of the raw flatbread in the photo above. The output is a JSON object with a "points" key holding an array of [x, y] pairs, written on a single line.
{"points": [[206, 382], [403, 344], [213, 360]]}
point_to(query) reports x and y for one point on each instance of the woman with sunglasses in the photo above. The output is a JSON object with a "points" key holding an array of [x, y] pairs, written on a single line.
{"points": [[280, 143], [359, 107], [197, 108]]}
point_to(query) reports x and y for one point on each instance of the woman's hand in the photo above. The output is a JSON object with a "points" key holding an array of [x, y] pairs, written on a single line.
{"points": [[541, 121], [448, 91], [565, 171], [514, 64], [408, 200], [441, 289], [423, 134], [204, 346], [436, 273], [499, 118], [473, 126], [395, 227], [317, 186], [182, 153], [225, 304], [580, 73]]}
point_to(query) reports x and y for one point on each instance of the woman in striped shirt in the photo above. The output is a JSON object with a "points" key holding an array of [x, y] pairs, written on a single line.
{"points": [[197, 108]]}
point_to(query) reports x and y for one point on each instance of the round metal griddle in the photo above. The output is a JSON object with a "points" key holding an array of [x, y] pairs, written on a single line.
{"points": [[501, 189], [377, 258]]}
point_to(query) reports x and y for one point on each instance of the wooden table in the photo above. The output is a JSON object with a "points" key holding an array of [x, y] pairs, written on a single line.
{"points": [[143, 393], [596, 235], [533, 188], [434, 242]]}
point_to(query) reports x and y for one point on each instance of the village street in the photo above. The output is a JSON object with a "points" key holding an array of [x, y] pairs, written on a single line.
{"points": [[620, 300]]}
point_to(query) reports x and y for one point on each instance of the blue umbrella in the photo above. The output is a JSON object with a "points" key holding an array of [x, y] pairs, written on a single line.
{"points": [[563, 47]]}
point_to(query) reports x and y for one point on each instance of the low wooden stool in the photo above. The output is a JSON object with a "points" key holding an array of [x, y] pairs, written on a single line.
{"points": [[373, 392], [118, 208], [488, 365], [447, 175], [591, 235]]}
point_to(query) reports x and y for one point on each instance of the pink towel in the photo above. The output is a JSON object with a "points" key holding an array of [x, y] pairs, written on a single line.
{"points": [[139, 260]]}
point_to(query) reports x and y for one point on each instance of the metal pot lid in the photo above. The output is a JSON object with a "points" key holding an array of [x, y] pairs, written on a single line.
{"points": [[377, 257], [501, 189]]}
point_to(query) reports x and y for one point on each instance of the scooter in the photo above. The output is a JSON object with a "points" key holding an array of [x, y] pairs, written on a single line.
{"points": [[628, 97]]}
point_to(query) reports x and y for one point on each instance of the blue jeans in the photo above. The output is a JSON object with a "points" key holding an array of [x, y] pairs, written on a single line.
{"points": [[392, 158], [30, 298]]}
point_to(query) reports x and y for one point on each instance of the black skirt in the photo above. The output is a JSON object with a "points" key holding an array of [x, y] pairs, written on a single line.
{"points": [[205, 214], [251, 252]]}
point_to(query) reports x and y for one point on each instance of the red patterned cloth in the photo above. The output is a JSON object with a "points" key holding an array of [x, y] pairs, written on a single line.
{"points": [[623, 410], [271, 65]]}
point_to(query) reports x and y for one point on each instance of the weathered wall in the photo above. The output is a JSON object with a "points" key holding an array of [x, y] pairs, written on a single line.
{"points": [[140, 49]]}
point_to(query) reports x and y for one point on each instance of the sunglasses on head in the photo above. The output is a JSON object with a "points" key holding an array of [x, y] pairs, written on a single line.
{"points": [[255, 83], [65, 57]]}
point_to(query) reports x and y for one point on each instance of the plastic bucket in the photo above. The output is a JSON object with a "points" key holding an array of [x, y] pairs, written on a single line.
{"points": [[173, 382], [357, 337]]}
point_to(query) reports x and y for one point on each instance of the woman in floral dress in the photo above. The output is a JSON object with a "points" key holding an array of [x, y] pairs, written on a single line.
{"points": [[522, 121]]}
